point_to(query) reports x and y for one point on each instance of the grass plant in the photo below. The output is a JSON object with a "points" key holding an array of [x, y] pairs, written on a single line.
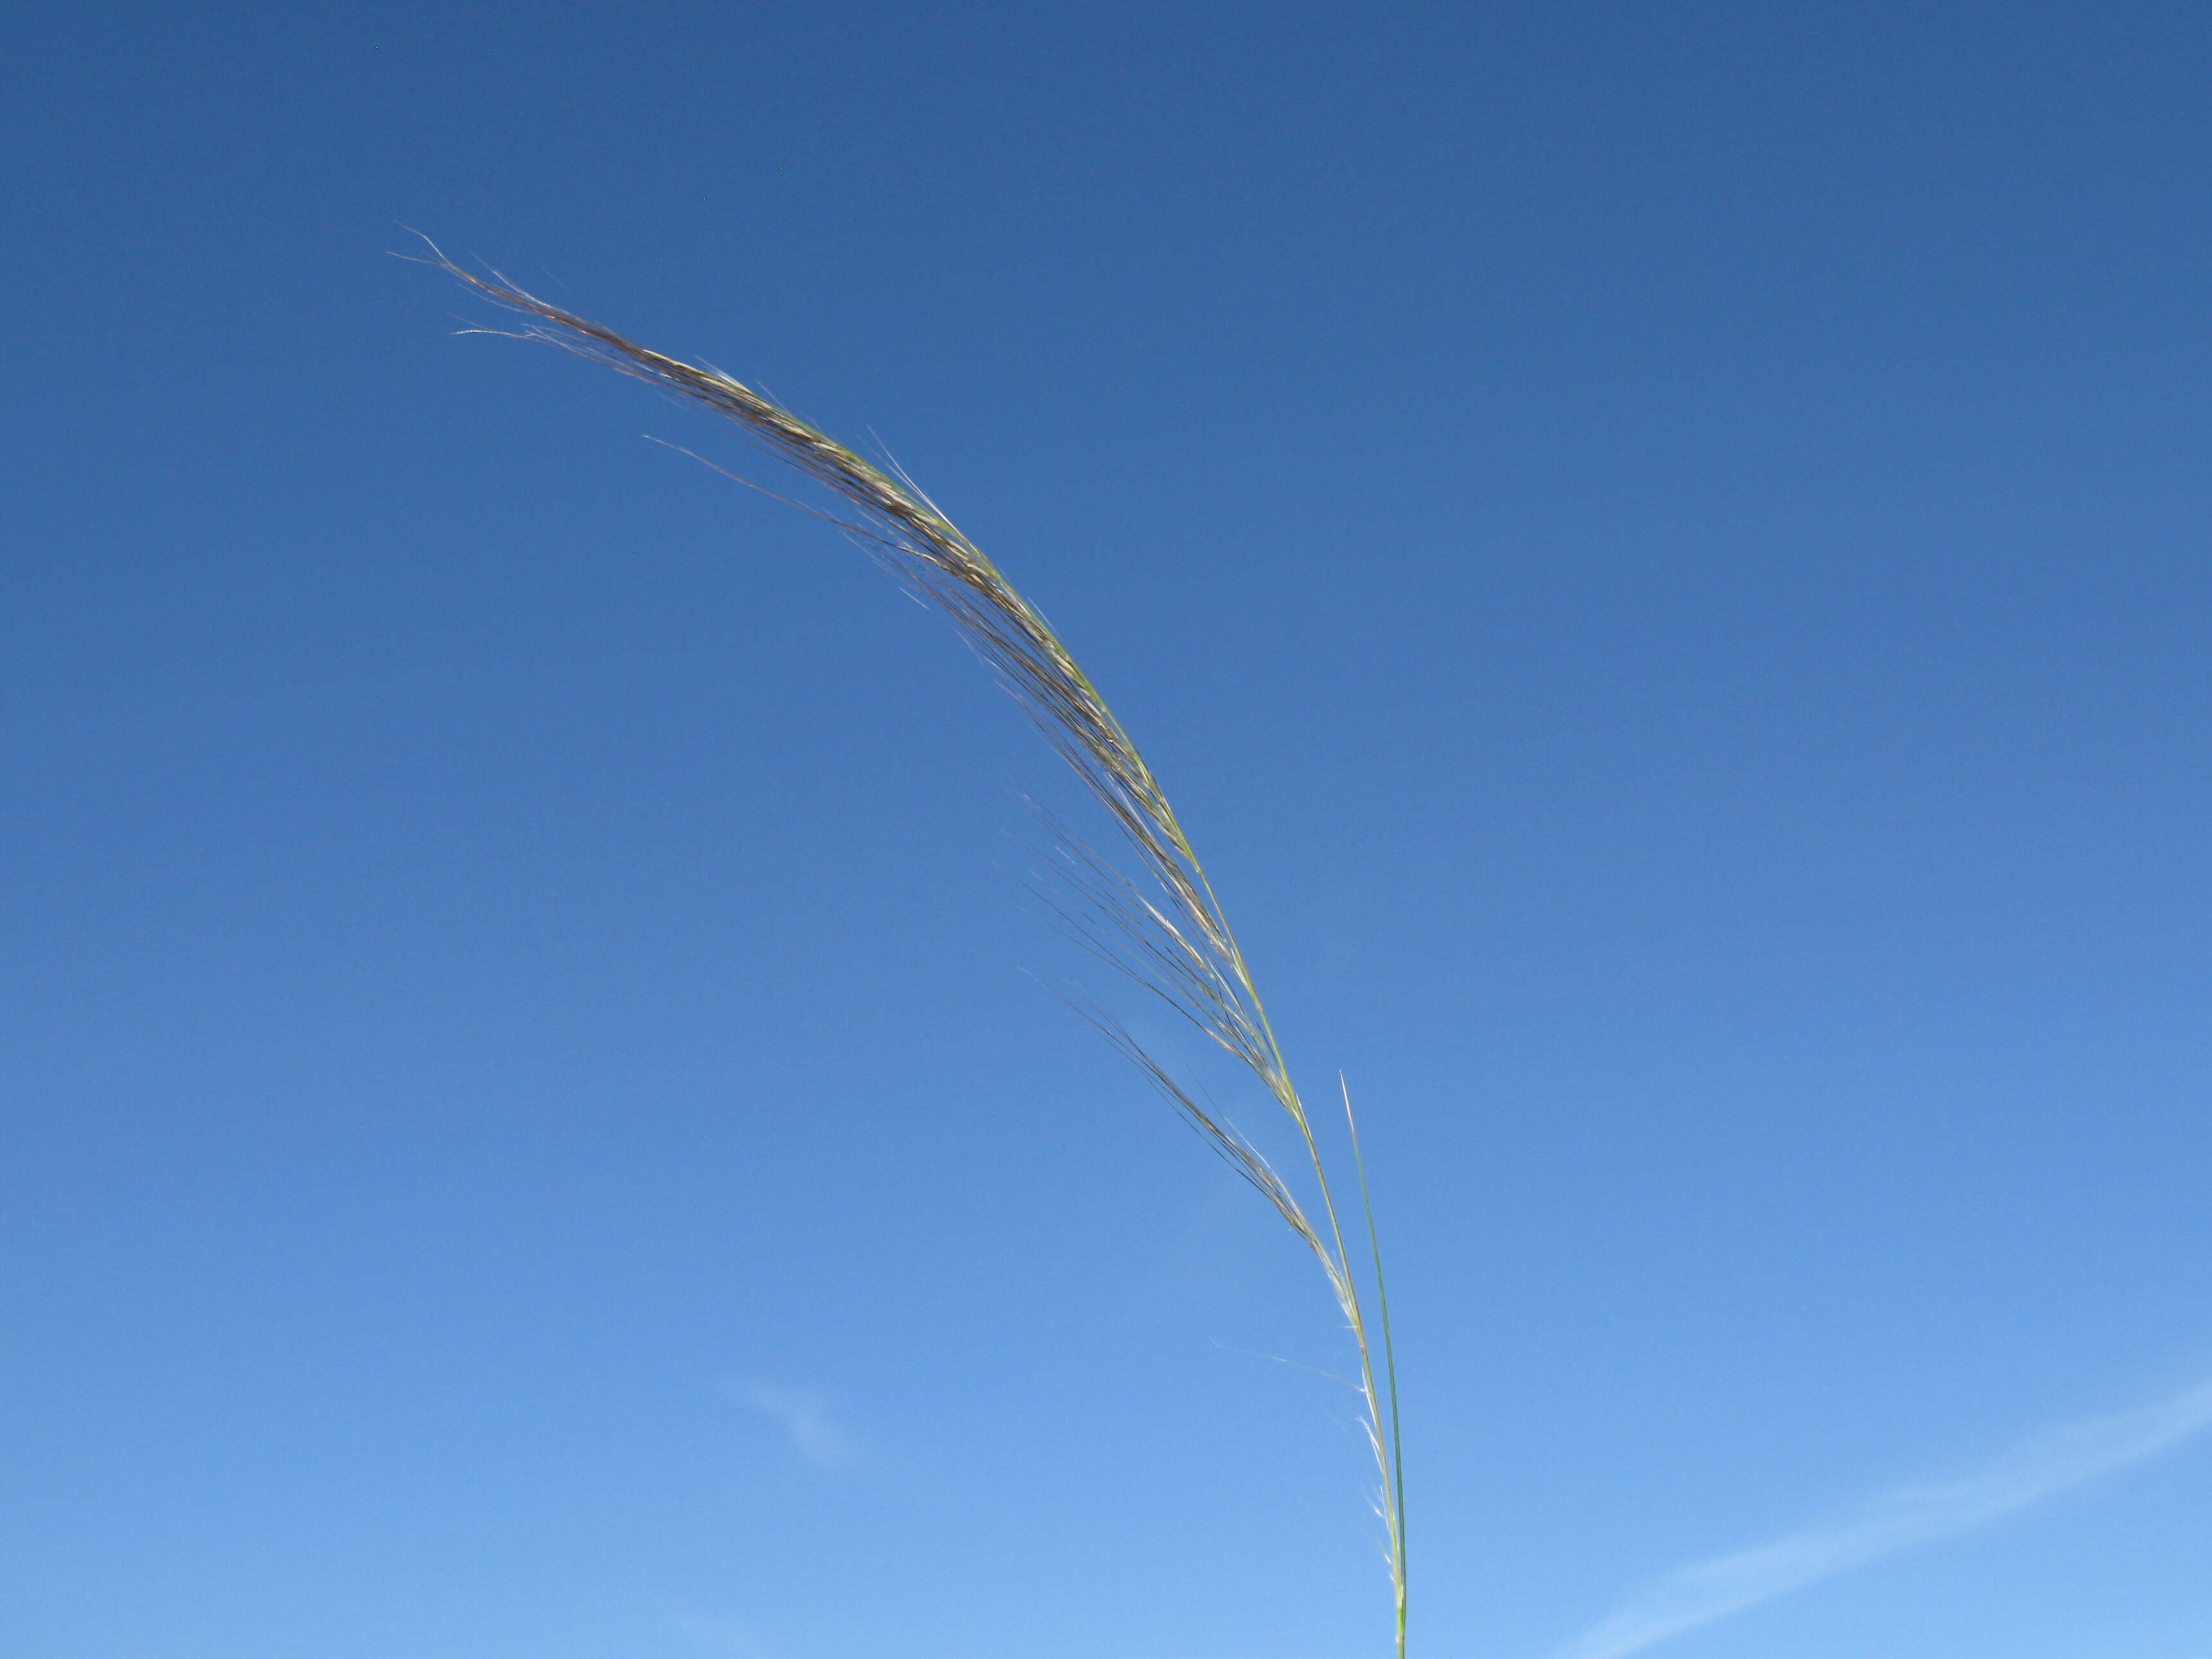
{"points": [[1154, 917]]}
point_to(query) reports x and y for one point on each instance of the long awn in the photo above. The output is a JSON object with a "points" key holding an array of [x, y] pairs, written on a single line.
{"points": [[1170, 935]]}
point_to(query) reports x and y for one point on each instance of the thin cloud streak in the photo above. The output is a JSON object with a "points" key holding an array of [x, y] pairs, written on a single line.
{"points": [[720, 1635], [807, 1423], [2046, 1462]]}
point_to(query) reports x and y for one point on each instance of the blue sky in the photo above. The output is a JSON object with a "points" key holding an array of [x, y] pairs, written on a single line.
{"points": [[1661, 553]]}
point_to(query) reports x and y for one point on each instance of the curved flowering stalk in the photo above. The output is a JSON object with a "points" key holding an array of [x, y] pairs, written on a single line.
{"points": [[1166, 931]]}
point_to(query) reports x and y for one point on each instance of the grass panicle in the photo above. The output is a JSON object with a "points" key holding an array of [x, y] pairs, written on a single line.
{"points": [[1163, 926]]}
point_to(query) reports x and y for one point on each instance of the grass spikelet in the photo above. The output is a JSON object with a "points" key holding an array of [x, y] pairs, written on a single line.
{"points": [[1163, 924]]}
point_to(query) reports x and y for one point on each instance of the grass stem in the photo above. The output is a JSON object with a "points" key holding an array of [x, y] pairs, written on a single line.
{"points": [[1166, 929]]}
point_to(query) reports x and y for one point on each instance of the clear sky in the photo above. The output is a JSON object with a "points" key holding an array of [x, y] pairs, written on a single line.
{"points": [[1661, 551]]}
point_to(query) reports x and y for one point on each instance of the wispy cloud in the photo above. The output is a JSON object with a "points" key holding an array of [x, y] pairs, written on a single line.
{"points": [[720, 1635], [2046, 1462], [814, 1435]]}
